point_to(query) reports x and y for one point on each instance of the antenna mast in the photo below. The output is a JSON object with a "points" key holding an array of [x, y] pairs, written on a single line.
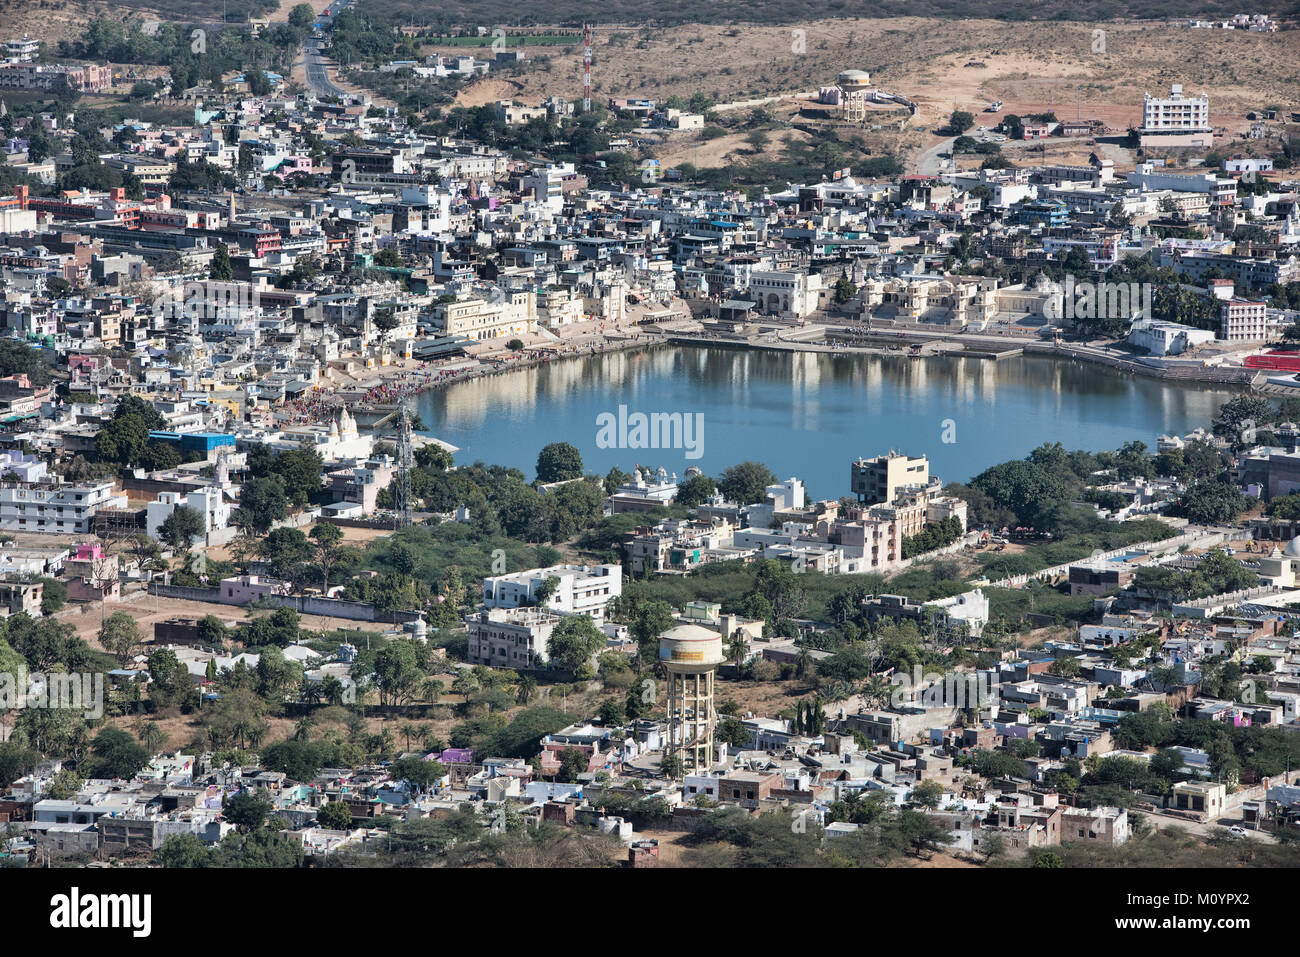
{"points": [[402, 481], [586, 68]]}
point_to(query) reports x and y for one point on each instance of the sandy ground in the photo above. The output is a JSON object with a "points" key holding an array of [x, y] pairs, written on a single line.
{"points": [[489, 90], [1065, 68], [148, 610]]}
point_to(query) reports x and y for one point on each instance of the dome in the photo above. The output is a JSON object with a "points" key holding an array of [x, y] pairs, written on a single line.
{"points": [[1292, 549], [690, 633], [853, 79]]}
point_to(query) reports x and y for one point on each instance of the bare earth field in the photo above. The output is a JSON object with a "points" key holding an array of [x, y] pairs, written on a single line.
{"points": [[1072, 69]]}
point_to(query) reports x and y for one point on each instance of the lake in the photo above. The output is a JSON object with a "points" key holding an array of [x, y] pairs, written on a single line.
{"points": [[809, 414]]}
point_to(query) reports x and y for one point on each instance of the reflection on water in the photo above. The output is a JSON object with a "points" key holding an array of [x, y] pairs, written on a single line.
{"points": [[808, 414]]}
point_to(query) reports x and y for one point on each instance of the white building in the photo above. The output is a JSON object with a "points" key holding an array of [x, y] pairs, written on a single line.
{"points": [[791, 292], [211, 503], [22, 51], [1175, 113], [1243, 320], [546, 184], [55, 508], [1160, 338], [581, 589], [514, 314], [513, 638], [971, 607]]}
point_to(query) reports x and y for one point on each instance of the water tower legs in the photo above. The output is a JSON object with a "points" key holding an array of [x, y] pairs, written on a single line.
{"points": [[691, 718]]}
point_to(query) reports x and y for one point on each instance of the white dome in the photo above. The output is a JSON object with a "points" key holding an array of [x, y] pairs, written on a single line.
{"points": [[690, 633], [1292, 549]]}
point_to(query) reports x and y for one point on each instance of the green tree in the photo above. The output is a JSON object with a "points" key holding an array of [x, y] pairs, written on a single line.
{"points": [[301, 471], [558, 462], [182, 527], [959, 121], [746, 483], [695, 491], [285, 550], [120, 636], [928, 793], [573, 643], [115, 754], [328, 538], [247, 810], [220, 269], [54, 595], [335, 816], [262, 502]]}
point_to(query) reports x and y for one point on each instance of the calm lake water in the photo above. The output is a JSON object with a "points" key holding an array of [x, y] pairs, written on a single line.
{"points": [[809, 414]]}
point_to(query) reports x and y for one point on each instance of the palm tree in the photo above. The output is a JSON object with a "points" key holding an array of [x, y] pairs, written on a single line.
{"points": [[876, 691], [526, 689], [428, 737], [408, 731], [150, 735], [302, 730]]}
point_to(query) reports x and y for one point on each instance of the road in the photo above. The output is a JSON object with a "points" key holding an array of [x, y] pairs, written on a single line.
{"points": [[318, 77], [930, 163], [1161, 821]]}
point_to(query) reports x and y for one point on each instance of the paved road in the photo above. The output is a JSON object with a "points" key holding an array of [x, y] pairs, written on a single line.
{"points": [[318, 77], [929, 162]]}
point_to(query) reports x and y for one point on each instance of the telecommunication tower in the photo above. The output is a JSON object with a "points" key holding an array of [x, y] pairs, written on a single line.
{"points": [[586, 68], [402, 481]]}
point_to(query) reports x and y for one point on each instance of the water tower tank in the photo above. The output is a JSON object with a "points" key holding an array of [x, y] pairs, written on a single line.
{"points": [[690, 649], [853, 81]]}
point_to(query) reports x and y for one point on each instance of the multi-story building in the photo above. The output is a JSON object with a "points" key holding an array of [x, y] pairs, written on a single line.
{"points": [[511, 637], [476, 318], [881, 479], [1175, 113], [23, 50], [579, 589], [1243, 320], [55, 508], [791, 292]]}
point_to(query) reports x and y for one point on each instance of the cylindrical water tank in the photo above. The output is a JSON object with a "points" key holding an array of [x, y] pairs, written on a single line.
{"points": [[690, 649], [853, 81]]}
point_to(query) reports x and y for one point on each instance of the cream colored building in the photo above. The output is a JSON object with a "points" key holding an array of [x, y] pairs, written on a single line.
{"points": [[476, 318]]}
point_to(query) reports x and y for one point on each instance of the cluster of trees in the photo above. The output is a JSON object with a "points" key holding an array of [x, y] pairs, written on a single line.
{"points": [[1214, 575], [935, 535], [193, 58], [18, 358], [124, 439], [1037, 491], [731, 837]]}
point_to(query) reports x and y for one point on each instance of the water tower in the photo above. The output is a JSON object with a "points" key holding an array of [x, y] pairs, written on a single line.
{"points": [[691, 655], [854, 87]]}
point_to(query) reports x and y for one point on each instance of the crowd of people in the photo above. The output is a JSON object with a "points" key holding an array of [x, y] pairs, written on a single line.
{"points": [[323, 403]]}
